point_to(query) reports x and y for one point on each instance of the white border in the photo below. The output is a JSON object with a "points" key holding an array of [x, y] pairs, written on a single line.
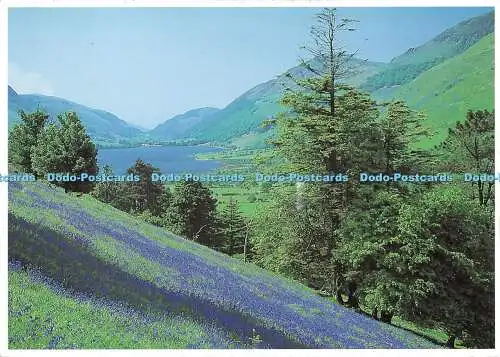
{"points": [[6, 4], [246, 3], [3, 188]]}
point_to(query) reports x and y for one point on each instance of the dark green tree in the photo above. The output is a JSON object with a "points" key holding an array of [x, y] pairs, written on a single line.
{"points": [[367, 250], [368, 232], [400, 129], [24, 137], [144, 194], [192, 213], [233, 229], [470, 147], [105, 191], [164, 201], [66, 149], [311, 140], [312, 102], [330, 59], [328, 128], [447, 253], [292, 237]]}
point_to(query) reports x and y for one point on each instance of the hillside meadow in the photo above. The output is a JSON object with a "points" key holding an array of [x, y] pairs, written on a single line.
{"points": [[107, 280]]}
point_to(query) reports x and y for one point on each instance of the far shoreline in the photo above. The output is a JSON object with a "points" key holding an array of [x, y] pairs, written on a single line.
{"points": [[146, 145]]}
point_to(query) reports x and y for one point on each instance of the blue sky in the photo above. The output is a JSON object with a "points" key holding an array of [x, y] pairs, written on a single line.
{"points": [[146, 65]]}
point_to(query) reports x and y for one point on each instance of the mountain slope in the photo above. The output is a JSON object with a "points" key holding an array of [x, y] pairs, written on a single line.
{"points": [[93, 252], [239, 122], [447, 91], [448, 44], [246, 113], [178, 126], [101, 125]]}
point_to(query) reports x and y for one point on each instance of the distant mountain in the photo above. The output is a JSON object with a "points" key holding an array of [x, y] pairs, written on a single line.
{"points": [[238, 123], [414, 61], [180, 125], [455, 67], [245, 114], [102, 127], [141, 128], [447, 91]]}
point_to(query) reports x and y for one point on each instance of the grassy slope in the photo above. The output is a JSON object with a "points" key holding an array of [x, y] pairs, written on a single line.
{"points": [[43, 315], [448, 44], [141, 270], [447, 91]]}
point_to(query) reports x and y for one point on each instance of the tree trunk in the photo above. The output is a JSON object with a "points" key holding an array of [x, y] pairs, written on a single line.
{"points": [[385, 317], [375, 313], [353, 300], [245, 246], [338, 289], [488, 194], [338, 295], [451, 341], [480, 193]]}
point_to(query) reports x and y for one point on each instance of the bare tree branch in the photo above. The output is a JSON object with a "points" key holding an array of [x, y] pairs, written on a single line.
{"points": [[196, 236]]}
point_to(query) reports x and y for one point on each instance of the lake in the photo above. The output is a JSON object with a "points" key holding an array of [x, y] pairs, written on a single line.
{"points": [[169, 159]]}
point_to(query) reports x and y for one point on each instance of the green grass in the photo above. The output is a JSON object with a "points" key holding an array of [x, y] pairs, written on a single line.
{"points": [[253, 140], [248, 194], [40, 317], [242, 194], [240, 117], [168, 286], [447, 91], [448, 44]]}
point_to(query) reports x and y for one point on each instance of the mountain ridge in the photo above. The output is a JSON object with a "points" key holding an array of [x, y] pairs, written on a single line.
{"points": [[101, 125], [244, 114], [178, 125], [464, 82], [447, 44]]}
